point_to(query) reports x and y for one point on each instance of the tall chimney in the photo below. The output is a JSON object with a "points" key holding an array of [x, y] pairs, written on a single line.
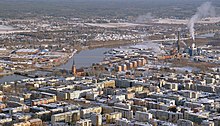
{"points": [[178, 42]]}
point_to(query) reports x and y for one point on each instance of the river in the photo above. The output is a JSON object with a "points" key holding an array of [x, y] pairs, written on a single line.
{"points": [[11, 78], [84, 58]]}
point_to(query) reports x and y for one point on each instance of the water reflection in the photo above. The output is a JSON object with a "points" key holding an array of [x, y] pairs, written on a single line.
{"points": [[86, 58]]}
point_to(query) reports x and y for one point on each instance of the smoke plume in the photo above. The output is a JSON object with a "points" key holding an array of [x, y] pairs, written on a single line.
{"points": [[144, 18], [205, 10]]}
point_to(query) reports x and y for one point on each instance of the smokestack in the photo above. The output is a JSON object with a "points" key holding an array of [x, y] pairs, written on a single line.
{"points": [[178, 42], [205, 10]]}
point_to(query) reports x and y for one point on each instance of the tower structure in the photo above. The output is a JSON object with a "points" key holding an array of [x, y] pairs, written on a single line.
{"points": [[74, 68], [178, 42]]}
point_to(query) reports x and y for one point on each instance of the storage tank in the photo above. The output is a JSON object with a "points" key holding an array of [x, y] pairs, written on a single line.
{"points": [[139, 63], [144, 61], [124, 67], [129, 65], [119, 69], [134, 64]]}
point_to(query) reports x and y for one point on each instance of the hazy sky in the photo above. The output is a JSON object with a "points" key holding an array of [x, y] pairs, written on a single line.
{"points": [[99, 7]]}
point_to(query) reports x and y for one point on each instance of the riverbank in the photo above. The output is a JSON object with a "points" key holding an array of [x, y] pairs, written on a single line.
{"points": [[2, 74], [84, 56], [92, 45]]}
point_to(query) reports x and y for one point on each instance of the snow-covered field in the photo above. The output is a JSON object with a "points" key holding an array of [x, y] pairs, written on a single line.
{"points": [[5, 28], [9, 30], [209, 20], [14, 31], [112, 25]]}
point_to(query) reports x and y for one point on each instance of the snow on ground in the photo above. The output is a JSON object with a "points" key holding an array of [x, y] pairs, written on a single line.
{"points": [[149, 45], [4, 28], [209, 20], [112, 25]]}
